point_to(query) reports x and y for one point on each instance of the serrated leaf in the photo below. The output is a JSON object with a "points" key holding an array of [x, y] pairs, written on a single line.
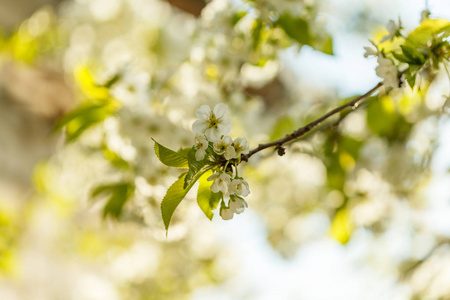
{"points": [[175, 194], [169, 157], [206, 199], [119, 193], [184, 151], [194, 166]]}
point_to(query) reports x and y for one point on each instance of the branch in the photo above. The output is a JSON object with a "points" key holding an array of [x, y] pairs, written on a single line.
{"points": [[307, 128], [409, 271]]}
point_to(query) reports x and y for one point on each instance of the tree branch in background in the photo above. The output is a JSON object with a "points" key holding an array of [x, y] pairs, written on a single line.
{"points": [[193, 7], [307, 128]]}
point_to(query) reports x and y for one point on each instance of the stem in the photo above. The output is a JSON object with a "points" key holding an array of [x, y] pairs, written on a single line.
{"points": [[307, 128]]}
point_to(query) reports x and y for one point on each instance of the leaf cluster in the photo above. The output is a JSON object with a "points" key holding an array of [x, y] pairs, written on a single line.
{"points": [[424, 49], [194, 171]]}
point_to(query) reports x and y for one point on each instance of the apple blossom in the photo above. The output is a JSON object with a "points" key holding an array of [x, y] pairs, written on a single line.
{"points": [[369, 52], [393, 30], [221, 182], [240, 146], [240, 187], [212, 123], [226, 213], [388, 71], [202, 144], [237, 204], [223, 146]]}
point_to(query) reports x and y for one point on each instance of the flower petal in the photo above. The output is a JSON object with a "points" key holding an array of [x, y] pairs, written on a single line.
{"points": [[223, 186], [213, 177], [226, 214], [223, 128], [238, 205], [230, 153], [200, 154], [203, 112], [227, 139], [213, 134], [215, 187], [220, 109], [199, 127]]}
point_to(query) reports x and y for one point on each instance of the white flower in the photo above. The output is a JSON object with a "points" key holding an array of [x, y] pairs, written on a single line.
{"points": [[226, 213], [388, 71], [239, 187], [369, 51], [393, 30], [240, 146], [223, 146], [237, 204], [424, 15], [202, 144], [221, 182], [213, 124]]}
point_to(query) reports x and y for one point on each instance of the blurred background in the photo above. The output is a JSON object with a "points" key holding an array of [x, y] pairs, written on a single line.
{"points": [[359, 209]]}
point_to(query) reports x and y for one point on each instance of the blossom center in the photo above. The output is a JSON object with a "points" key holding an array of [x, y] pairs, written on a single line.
{"points": [[213, 121]]}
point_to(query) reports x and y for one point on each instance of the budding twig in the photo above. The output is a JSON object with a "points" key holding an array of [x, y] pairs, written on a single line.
{"points": [[307, 128]]}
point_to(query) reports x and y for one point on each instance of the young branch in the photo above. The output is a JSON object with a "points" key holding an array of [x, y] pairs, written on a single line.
{"points": [[307, 128]]}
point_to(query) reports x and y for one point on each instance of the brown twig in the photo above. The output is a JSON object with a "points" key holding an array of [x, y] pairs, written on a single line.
{"points": [[305, 129]]}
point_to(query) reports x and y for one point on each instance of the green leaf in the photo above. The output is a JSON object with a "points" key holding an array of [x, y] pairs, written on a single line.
{"points": [[169, 157], [206, 199], [83, 118], [194, 166], [237, 17], [114, 158], [384, 120], [341, 228], [324, 45], [411, 78], [381, 116], [428, 30], [351, 145], [113, 80], [175, 194], [256, 33], [184, 151], [296, 28], [415, 56], [118, 193], [402, 58]]}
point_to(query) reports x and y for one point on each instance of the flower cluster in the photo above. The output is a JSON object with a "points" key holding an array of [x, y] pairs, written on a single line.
{"points": [[386, 69], [224, 154]]}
